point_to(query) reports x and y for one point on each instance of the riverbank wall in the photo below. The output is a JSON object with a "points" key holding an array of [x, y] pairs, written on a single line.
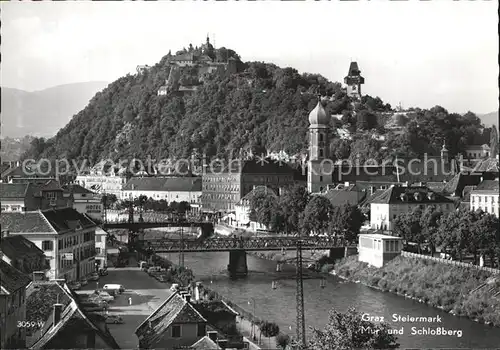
{"points": [[461, 291]]}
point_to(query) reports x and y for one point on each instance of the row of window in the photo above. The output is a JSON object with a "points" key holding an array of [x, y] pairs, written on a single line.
{"points": [[220, 179], [222, 196], [218, 187], [487, 199], [491, 209]]}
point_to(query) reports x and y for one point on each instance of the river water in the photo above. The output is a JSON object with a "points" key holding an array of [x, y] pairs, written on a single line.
{"points": [[278, 305]]}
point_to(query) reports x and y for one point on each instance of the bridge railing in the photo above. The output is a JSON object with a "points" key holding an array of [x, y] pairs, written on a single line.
{"points": [[260, 243]]}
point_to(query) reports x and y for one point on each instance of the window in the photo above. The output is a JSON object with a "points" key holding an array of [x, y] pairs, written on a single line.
{"points": [[47, 245], [176, 331], [321, 152], [321, 179], [202, 329], [320, 137]]}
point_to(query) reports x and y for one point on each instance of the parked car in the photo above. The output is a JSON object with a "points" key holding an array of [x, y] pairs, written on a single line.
{"points": [[74, 285], [116, 287], [105, 296], [94, 277], [114, 319], [94, 305], [83, 281]]}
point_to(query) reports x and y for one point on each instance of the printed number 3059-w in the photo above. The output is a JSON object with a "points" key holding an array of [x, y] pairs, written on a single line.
{"points": [[29, 324]]}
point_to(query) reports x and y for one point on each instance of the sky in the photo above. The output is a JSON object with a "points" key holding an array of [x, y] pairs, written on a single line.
{"points": [[419, 54]]}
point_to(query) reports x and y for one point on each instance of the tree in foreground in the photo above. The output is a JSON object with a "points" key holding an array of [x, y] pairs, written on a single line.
{"points": [[349, 331]]}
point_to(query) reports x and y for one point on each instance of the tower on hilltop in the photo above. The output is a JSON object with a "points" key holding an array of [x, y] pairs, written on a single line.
{"points": [[319, 130], [354, 80]]}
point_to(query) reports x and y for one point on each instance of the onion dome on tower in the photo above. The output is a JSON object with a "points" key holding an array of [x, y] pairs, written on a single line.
{"points": [[318, 115]]}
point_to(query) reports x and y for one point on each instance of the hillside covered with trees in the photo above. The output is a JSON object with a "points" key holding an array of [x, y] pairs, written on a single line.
{"points": [[260, 107]]}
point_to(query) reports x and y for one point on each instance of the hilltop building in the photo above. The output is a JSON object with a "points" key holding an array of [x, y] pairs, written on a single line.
{"points": [[354, 80]]}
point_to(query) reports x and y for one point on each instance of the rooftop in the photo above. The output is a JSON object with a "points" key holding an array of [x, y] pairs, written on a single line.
{"points": [[75, 188], [17, 246], [487, 186], [46, 221], [205, 343], [40, 300], [13, 190], [11, 279], [416, 194], [175, 309]]}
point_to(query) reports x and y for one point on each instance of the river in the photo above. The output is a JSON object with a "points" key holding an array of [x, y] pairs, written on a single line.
{"points": [[278, 305]]}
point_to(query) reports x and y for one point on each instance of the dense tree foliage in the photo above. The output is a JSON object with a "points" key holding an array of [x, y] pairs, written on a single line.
{"points": [[349, 331], [262, 107], [459, 232]]}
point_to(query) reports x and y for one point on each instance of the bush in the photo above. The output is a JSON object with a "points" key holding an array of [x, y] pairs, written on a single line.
{"points": [[282, 340]]}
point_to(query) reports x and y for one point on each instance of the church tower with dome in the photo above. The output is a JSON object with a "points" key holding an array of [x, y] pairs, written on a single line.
{"points": [[319, 168]]}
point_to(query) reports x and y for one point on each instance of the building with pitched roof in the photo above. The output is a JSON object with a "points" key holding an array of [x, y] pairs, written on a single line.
{"points": [[86, 201], [477, 151], [12, 306], [66, 237], [205, 343], [170, 189], [175, 323], [33, 195], [485, 196], [402, 199], [346, 193], [61, 322], [225, 185], [100, 183], [23, 254], [242, 209]]}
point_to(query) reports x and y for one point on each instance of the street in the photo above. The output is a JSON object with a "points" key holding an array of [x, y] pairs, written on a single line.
{"points": [[147, 294]]}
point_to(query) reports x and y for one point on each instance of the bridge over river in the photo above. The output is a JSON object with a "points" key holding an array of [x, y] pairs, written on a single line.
{"points": [[237, 247]]}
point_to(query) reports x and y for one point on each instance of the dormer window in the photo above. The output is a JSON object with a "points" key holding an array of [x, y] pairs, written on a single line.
{"points": [[417, 196], [51, 196]]}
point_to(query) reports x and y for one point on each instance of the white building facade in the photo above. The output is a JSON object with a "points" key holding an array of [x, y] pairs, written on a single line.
{"points": [[400, 199], [377, 250], [66, 237], [109, 184], [101, 252], [486, 197], [87, 202], [170, 189]]}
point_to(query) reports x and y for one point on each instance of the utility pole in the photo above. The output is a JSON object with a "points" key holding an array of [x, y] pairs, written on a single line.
{"points": [[301, 324], [181, 253]]}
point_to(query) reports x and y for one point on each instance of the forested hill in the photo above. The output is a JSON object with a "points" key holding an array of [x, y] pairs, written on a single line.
{"points": [[261, 106]]}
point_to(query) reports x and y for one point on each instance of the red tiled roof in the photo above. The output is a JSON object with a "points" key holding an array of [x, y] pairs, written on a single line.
{"points": [[11, 279]]}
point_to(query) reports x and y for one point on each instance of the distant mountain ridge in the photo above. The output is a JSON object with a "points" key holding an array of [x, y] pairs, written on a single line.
{"points": [[489, 118], [42, 113]]}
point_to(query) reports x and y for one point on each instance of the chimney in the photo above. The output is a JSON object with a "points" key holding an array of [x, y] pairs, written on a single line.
{"points": [[57, 314], [212, 335], [188, 298], [253, 187], [346, 184]]}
